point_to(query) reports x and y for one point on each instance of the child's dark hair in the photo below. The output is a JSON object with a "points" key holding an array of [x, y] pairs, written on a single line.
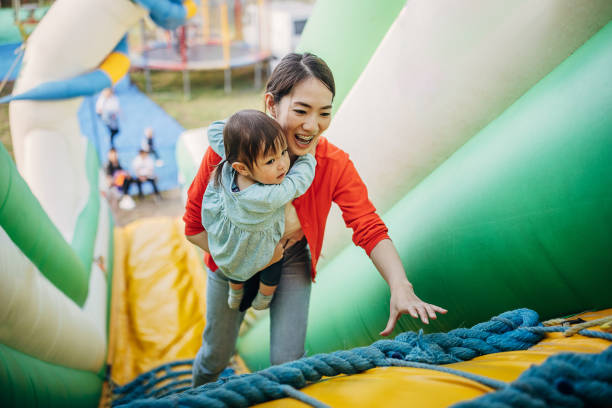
{"points": [[293, 68], [247, 134]]}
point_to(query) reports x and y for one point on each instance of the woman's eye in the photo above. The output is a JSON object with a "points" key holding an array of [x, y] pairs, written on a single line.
{"points": [[325, 114], [299, 111]]}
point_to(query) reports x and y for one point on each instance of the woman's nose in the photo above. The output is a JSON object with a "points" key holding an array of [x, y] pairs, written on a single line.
{"points": [[310, 125]]}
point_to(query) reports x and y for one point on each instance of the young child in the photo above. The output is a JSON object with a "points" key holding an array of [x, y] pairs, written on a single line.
{"points": [[107, 106], [244, 203], [149, 145]]}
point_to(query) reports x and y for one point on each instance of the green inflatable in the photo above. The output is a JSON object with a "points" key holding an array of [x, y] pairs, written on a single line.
{"points": [[29, 382], [359, 27], [520, 216], [38, 238]]}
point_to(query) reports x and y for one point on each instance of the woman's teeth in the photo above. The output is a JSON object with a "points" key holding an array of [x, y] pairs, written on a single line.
{"points": [[304, 139]]}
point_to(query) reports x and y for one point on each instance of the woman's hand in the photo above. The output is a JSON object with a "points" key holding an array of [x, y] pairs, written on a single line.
{"points": [[290, 239], [405, 301], [279, 251]]}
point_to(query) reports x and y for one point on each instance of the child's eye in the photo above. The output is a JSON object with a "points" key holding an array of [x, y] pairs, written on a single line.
{"points": [[284, 152], [270, 161]]}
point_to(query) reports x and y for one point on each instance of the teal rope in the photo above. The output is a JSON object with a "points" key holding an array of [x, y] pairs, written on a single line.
{"points": [[300, 396], [583, 332], [571, 380], [147, 385], [489, 382], [514, 330], [503, 333]]}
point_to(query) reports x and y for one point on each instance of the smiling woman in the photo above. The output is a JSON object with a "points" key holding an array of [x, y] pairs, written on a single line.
{"points": [[299, 97], [304, 113]]}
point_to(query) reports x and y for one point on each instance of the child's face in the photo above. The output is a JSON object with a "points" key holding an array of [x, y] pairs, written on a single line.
{"points": [[271, 168]]}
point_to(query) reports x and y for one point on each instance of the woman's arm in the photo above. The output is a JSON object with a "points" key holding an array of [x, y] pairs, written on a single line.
{"points": [[370, 233], [403, 299], [193, 206], [200, 240]]}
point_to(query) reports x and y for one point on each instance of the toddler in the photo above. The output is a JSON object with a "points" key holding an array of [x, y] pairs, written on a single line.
{"points": [[244, 203]]}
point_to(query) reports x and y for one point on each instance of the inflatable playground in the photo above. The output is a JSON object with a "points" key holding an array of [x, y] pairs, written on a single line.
{"points": [[206, 42], [492, 125]]}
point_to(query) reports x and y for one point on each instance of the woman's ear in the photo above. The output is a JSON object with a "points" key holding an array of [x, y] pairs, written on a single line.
{"points": [[241, 168], [270, 105]]}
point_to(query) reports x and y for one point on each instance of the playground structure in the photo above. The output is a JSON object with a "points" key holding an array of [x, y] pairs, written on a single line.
{"points": [[494, 186], [16, 25], [213, 40]]}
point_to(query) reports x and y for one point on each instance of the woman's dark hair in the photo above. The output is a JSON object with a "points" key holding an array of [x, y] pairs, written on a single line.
{"points": [[294, 68], [247, 134]]}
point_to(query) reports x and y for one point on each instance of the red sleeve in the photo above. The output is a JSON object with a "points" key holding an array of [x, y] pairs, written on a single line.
{"points": [[358, 212], [193, 208]]}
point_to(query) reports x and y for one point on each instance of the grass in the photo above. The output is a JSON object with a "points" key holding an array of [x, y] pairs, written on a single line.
{"points": [[208, 101]]}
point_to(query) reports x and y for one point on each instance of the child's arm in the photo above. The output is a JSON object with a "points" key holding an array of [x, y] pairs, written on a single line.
{"points": [[271, 196], [215, 137]]}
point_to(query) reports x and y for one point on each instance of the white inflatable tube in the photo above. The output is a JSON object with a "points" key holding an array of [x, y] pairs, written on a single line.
{"points": [[50, 152], [38, 319], [48, 145]]}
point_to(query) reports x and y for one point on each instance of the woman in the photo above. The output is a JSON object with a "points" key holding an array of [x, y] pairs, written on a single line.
{"points": [[299, 96]]}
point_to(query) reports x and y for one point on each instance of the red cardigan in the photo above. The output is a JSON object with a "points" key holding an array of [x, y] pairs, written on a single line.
{"points": [[336, 179]]}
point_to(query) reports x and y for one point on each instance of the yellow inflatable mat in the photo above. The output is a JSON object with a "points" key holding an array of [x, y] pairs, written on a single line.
{"points": [[158, 298], [416, 387]]}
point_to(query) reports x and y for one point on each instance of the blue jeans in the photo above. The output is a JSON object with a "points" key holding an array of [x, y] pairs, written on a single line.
{"points": [[288, 318]]}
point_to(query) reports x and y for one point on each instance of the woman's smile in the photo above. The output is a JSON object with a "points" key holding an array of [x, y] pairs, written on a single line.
{"points": [[304, 140]]}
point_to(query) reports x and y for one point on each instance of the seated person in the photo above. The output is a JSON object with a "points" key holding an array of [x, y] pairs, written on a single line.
{"points": [[148, 144], [118, 180], [144, 170]]}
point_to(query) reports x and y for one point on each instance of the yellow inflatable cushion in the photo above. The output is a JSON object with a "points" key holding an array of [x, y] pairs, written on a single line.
{"points": [[158, 303], [401, 387]]}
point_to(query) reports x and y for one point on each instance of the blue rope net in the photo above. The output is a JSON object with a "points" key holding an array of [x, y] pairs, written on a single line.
{"points": [[564, 380], [514, 330]]}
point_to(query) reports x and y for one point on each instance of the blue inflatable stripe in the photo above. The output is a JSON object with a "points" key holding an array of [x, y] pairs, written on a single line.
{"points": [[122, 46], [168, 14], [86, 84]]}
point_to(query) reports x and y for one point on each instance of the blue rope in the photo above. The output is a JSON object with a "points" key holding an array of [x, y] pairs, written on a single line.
{"points": [[300, 396], [514, 330], [489, 382], [502, 333], [583, 332], [564, 380], [156, 383]]}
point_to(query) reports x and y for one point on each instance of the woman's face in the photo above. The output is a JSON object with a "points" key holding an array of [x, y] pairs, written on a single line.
{"points": [[303, 114]]}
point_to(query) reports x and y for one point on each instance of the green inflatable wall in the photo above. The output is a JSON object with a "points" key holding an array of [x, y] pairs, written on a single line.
{"points": [[518, 217], [358, 25], [29, 382], [36, 235], [86, 228]]}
